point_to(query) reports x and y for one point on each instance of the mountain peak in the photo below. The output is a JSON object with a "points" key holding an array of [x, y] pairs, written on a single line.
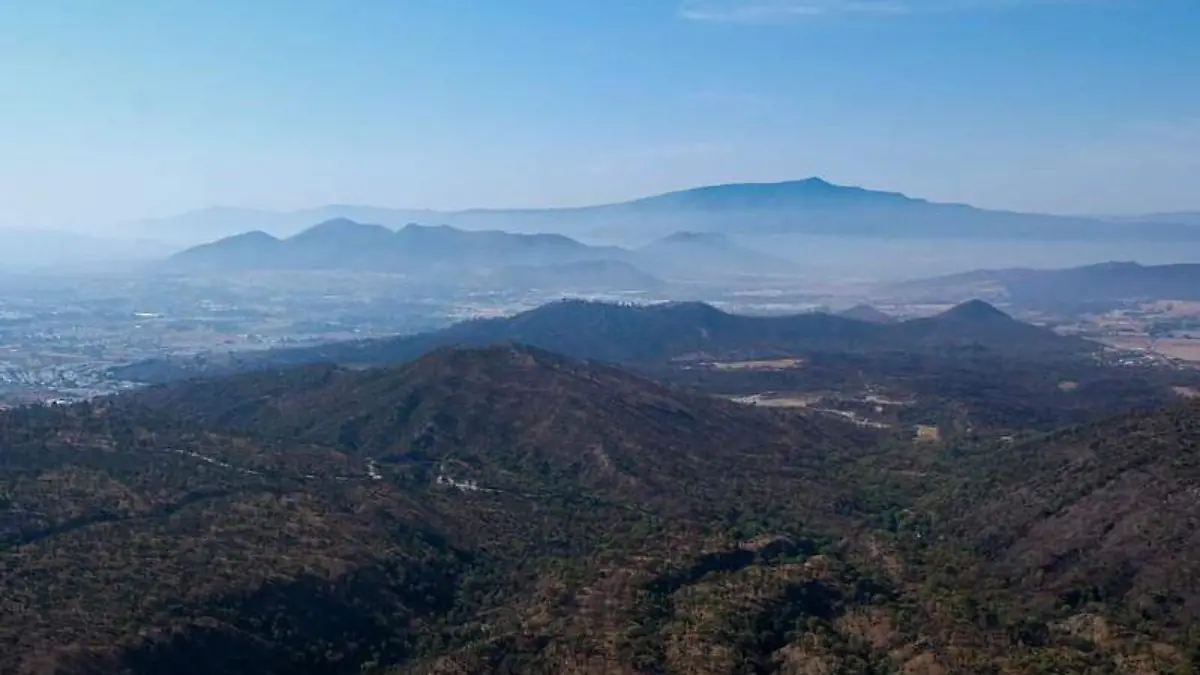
{"points": [[974, 310], [334, 224], [342, 227], [866, 313], [252, 237], [498, 356], [248, 246], [816, 184], [803, 193]]}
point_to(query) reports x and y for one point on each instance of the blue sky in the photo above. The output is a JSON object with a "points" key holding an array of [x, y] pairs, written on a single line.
{"points": [[120, 109]]}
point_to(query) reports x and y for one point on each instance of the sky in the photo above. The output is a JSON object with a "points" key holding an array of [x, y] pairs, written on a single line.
{"points": [[121, 109]]}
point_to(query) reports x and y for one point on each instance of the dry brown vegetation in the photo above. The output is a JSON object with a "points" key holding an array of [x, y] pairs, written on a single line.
{"points": [[928, 433], [297, 522]]}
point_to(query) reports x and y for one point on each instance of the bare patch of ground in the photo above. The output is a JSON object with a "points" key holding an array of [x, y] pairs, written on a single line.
{"points": [[1179, 348], [923, 664], [883, 400], [779, 400], [762, 364], [1175, 348], [853, 417], [1173, 308], [928, 433], [1090, 627]]}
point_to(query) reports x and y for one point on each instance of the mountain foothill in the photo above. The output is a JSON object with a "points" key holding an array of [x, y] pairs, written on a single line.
{"points": [[577, 489], [715, 232], [596, 487]]}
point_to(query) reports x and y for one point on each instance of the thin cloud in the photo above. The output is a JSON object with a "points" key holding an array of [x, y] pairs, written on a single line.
{"points": [[778, 11]]}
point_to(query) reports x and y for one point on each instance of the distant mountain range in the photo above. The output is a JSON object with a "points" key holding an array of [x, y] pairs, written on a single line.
{"points": [[346, 244], [1191, 218], [811, 206], [703, 254], [1102, 283], [489, 257], [656, 334], [62, 252]]}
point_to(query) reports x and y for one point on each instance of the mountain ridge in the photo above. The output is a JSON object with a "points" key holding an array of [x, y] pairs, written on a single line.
{"points": [[433, 505], [1096, 513], [665, 332], [507, 509], [469, 254], [1107, 282], [347, 244], [807, 206]]}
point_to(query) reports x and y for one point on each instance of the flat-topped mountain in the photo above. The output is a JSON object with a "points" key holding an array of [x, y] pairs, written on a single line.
{"points": [[808, 206], [655, 334]]}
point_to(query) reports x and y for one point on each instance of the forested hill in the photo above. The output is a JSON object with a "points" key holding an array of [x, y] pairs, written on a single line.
{"points": [[331, 520], [509, 510], [633, 335], [1099, 516]]}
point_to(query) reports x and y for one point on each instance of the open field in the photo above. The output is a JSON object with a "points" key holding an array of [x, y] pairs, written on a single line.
{"points": [[779, 400], [1174, 348], [761, 364], [1173, 308], [928, 433]]}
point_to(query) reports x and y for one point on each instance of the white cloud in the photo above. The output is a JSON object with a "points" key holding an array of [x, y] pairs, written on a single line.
{"points": [[776, 11]]}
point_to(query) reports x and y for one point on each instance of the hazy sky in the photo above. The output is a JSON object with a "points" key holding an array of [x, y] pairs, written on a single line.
{"points": [[114, 109]]}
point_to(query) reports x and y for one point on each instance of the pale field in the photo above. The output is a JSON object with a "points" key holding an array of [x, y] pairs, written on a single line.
{"points": [[1175, 308], [763, 364], [1175, 348], [773, 401], [883, 400], [928, 433]]}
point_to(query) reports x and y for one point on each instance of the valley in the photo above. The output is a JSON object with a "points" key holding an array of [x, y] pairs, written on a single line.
{"points": [[505, 508], [349, 477], [660, 337], [426, 450]]}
